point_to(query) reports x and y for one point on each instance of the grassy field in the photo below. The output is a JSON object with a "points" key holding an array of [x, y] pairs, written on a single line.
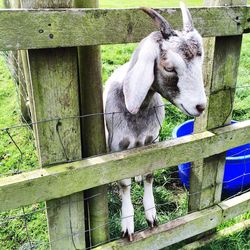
{"points": [[170, 196], [148, 3]]}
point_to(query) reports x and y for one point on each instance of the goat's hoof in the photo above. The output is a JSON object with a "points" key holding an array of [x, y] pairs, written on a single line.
{"points": [[127, 235], [152, 224]]}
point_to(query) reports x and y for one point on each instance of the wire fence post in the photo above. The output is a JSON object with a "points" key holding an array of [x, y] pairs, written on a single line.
{"points": [[55, 93], [221, 68], [93, 132]]}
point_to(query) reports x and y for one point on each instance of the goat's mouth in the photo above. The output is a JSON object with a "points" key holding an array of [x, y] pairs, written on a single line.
{"points": [[187, 113]]}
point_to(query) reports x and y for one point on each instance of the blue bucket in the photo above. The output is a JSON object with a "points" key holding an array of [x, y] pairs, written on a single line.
{"points": [[237, 165]]}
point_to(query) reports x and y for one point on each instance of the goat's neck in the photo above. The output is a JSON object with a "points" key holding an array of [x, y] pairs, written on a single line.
{"points": [[148, 100]]}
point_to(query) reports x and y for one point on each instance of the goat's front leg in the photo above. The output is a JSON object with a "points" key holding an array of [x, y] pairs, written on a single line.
{"points": [[127, 219], [148, 201]]}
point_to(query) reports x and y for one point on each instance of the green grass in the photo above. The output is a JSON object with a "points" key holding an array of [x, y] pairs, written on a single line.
{"points": [[10, 115], [242, 97], [12, 232], [8, 106], [238, 241], [169, 195], [148, 3]]}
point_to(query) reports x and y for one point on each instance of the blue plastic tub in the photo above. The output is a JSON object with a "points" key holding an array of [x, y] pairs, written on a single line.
{"points": [[237, 166]]}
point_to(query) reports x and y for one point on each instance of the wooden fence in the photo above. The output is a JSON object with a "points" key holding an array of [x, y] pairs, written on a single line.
{"points": [[52, 60]]}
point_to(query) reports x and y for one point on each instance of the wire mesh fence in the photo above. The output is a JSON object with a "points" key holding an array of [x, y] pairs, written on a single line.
{"points": [[29, 228], [26, 228], [28, 224]]}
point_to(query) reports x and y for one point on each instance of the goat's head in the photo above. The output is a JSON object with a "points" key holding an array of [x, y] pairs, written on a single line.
{"points": [[170, 63]]}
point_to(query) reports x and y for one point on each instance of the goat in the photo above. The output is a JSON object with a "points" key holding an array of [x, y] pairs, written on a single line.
{"points": [[166, 63]]}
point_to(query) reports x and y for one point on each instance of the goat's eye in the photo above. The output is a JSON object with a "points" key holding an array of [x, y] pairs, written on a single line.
{"points": [[170, 69]]}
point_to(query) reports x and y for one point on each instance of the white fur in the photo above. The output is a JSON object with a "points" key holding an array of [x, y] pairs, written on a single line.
{"points": [[187, 20], [190, 84], [148, 202], [141, 72], [127, 216]]}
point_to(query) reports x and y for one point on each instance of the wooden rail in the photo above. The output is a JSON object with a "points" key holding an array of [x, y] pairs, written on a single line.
{"points": [[61, 180], [29, 29]]}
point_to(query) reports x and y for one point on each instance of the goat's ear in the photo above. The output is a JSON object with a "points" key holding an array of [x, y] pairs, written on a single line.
{"points": [[140, 76], [187, 18]]}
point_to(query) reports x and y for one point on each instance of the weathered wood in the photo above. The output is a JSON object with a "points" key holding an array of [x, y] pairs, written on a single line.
{"points": [[54, 77], [24, 29], [55, 91], [23, 94], [27, 79], [47, 3], [232, 208], [61, 180], [6, 4], [93, 132], [20, 67], [183, 227], [220, 75]]}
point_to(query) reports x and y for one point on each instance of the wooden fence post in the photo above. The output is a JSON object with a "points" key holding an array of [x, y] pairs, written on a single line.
{"points": [[221, 68], [93, 132], [55, 93], [23, 90]]}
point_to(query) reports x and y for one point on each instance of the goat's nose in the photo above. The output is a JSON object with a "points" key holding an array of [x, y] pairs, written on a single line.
{"points": [[200, 108]]}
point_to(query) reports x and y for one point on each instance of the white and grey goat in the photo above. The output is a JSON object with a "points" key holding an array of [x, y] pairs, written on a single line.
{"points": [[167, 63]]}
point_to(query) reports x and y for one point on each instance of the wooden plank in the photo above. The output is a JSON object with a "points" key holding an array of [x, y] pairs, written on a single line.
{"points": [[232, 207], [54, 88], [27, 79], [220, 75], [54, 98], [55, 91], [93, 131], [61, 180], [26, 29], [31, 4], [23, 92], [184, 227]]}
